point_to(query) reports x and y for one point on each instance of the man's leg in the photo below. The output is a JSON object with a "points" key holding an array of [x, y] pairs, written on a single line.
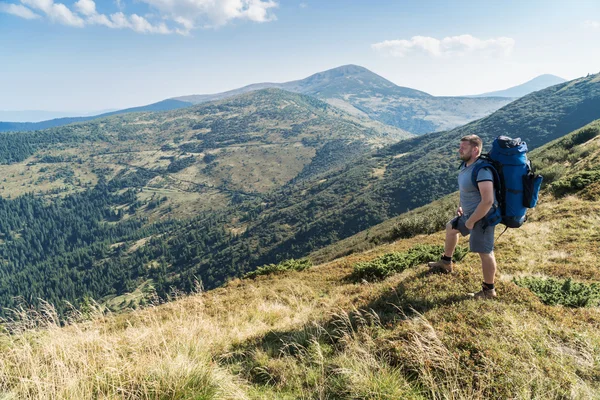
{"points": [[488, 265], [445, 264], [451, 240], [482, 242]]}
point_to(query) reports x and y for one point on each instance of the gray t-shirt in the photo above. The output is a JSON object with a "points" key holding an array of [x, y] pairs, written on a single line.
{"points": [[469, 194]]}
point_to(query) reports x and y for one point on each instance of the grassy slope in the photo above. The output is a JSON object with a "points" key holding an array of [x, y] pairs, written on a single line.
{"points": [[300, 334]]}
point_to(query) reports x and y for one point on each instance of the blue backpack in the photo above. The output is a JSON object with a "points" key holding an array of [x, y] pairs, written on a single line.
{"points": [[516, 185]]}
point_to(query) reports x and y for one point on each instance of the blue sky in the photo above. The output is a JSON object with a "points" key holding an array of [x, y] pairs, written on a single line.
{"points": [[85, 55]]}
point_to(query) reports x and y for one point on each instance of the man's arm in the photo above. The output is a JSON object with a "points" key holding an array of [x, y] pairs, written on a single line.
{"points": [[486, 188]]}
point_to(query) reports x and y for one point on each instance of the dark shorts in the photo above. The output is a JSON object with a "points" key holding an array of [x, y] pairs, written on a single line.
{"points": [[481, 239]]}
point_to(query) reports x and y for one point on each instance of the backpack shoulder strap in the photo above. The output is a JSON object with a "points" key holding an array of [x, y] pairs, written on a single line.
{"points": [[486, 163]]}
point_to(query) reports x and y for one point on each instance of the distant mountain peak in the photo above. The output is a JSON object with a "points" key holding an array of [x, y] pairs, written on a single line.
{"points": [[550, 76], [533, 85], [350, 69]]}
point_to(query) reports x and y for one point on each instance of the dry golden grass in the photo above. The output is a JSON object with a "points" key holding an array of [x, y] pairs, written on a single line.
{"points": [[300, 335]]}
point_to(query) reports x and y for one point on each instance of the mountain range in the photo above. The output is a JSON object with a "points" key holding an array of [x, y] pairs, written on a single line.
{"points": [[363, 93], [163, 105], [354, 89]]}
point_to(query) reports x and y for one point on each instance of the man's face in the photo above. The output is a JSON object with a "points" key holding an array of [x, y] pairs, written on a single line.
{"points": [[466, 151]]}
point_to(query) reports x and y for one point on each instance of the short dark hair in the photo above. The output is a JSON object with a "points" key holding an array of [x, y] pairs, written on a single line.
{"points": [[474, 140]]}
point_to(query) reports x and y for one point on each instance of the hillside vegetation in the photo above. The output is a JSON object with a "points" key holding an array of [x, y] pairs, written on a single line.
{"points": [[318, 333], [195, 156], [568, 165]]}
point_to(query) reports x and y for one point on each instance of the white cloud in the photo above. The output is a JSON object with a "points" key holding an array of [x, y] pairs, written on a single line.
{"points": [[141, 25], [185, 15], [118, 20], [100, 19], [18, 10], [121, 21], [591, 24], [453, 45], [213, 13], [86, 7], [185, 22], [57, 12]]}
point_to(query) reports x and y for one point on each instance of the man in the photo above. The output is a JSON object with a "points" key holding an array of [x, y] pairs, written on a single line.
{"points": [[475, 202]]}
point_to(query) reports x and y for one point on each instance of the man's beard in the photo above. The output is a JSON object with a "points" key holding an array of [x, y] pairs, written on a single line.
{"points": [[465, 157]]}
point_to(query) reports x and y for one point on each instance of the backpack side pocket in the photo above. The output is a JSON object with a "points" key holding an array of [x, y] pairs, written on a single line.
{"points": [[531, 189]]}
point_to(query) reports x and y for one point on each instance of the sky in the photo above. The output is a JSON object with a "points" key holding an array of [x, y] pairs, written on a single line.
{"points": [[83, 56]]}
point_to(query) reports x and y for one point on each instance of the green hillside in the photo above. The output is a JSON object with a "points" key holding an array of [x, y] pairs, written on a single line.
{"points": [[569, 165], [320, 334], [307, 215], [195, 157]]}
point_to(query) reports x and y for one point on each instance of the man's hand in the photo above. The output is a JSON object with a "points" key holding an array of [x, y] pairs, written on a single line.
{"points": [[486, 188], [459, 212], [469, 224]]}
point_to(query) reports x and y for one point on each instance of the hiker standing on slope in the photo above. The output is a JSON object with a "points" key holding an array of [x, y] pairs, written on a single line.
{"points": [[475, 203]]}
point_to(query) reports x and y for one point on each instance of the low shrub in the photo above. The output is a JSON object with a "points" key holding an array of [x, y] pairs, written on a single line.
{"points": [[392, 263], [287, 265], [431, 220], [574, 183], [552, 173], [581, 136], [565, 292]]}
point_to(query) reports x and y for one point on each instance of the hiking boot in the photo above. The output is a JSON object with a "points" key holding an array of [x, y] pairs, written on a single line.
{"points": [[484, 294], [441, 266]]}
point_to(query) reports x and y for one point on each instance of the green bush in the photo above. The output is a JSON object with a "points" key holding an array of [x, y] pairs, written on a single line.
{"points": [[552, 173], [424, 220], [565, 292], [574, 183], [429, 222], [391, 263], [581, 136], [287, 265], [579, 153]]}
